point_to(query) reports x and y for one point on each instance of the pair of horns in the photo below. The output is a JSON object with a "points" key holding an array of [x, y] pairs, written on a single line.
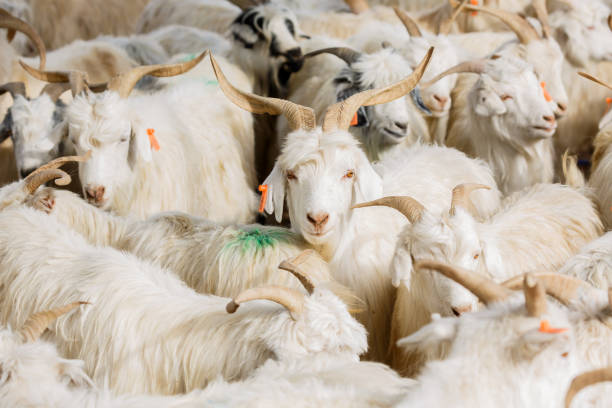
{"points": [[291, 299], [338, 116], [413, 210], [413, 28], [14, 24], [122, 83], [586, 379], [51, 171], [36, 324]]}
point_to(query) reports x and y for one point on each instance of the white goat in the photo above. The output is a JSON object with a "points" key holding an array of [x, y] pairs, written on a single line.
{"points": [[593, 263], [148, 149], [322, 172]]}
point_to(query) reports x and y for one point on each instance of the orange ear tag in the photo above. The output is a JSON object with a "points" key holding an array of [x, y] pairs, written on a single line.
{"points": [[546, 94], [545, 328], [152, 139], [264, 196], [474, 3], [354, 121], [608, 102]]}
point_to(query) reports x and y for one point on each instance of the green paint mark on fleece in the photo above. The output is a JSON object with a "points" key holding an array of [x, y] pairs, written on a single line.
{"points": [[188, 57], [258, 239]]}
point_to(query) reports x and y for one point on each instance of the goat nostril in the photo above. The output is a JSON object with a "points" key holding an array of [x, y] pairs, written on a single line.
{"points": [[318, 220], [441, 99], [294, 53], [95, 194], [401, 125], [562, 107], [455, 312], [550, 119], [460, 310]]}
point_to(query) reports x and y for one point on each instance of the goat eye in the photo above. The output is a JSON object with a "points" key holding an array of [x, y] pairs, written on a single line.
{"points": [[290, 27], [349, 174], [291, 176], [591, 27], [505, 97], [476, 256]]}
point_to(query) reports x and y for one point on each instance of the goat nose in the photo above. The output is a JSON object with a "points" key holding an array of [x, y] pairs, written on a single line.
{"points": [[294, 53], [459, 310], [94, 194], [561, 107], [401, 125], [25, 172], [318, 220], [441, 100], [550, 119]]}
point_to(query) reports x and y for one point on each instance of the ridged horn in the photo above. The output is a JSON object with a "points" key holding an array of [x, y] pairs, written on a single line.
{"points": [[594, 79], [485, 289], [36, 324], [51, 171], [408, 206], [446, 26], [541, 13], [299, 117], [124, 83], [521, 27], [294, 267], [346, 54], [562, 287], [474, 67], [340, 115], [535, 296], [76, 79], [461, 197], [14, 88], [586, 379], [290, 298], [13, 23], [357, 6], [411, 26]]}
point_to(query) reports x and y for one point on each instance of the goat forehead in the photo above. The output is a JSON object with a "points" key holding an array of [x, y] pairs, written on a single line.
{"points": [[303, 146], [381, 69]]}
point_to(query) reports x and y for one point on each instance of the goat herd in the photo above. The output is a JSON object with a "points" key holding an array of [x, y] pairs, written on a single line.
{"points": [[305, 203]]}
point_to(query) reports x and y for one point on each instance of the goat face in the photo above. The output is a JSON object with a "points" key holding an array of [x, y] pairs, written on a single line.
{"points": [[38, 131], [272, 32], [583, 32], [98, 123], [510, 95], [322, 175], [451, 239]]}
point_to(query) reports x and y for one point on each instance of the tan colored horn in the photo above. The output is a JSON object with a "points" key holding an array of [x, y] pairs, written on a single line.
{"points": [[291, 299], [346, 54], [357, 6], [76, 79], [299, 117], [411, 26], [474, 67], [51, 171], [13, 23], [461, 197], [36, 324], [294, 266], [446, 26], [14, 88], [586, 379], [535, 296], [610, 297], [594, 79], [521, 27], [124, 83], [55, 90], [610, 21], [340, 115], [562, 287], [408, 206], [485, 289], [541, 12]]}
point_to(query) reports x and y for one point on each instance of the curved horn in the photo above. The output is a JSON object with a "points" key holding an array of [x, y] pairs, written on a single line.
{"points": [[541, 12], [610, 21], [521, 27], [14, 88], [346, 54], [408, 206], [586, 379], [291, 299], [299, 117], [55, 90], [535, 296], [76, 79], [36, 324], [596, 80], [357, 6], [411, 26], [294, 267], [461, 196], [562, 287], [51, 171], [340, 115], [446, 26], [124, 83], [485, 289], [474, 67], [13, 23]]}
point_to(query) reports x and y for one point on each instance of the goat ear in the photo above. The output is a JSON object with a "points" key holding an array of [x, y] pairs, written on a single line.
{"points": [[140, 144], [276, 192], [488, 103], [432, 335], [72, 372], [401, 266], [368, 184]]}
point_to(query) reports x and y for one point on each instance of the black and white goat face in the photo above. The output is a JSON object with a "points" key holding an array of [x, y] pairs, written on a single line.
{"points": [[37, 130], [272, 33]]}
